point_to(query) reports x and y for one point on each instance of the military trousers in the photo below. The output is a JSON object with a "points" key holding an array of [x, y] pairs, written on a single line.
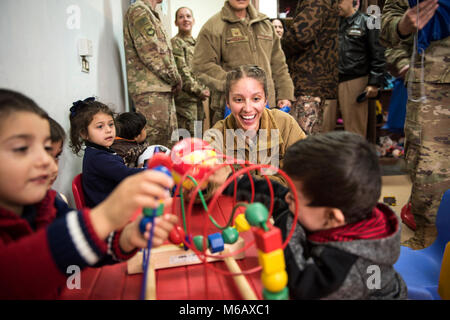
{"points": [[159, 110], [188, 113], [427, 149], [308, 111]]}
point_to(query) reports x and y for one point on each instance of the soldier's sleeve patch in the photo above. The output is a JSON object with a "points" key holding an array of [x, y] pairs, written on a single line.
{"points": [[149, 30], [235, 32], [145, 27]]}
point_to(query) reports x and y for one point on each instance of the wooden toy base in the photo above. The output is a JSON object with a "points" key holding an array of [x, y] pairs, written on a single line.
{"points": [[171, 255]]}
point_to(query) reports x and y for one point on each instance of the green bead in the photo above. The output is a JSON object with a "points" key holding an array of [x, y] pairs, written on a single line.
{"points": [[280, 295], [256, 214], [230, 235], [198, 242], [148, 212], [160, 210]]}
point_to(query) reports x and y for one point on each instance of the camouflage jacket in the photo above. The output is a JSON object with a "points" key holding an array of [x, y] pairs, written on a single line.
{"points": [[150, 63], [226, 42], [183, 52], [129, 150], [435, 58], [312, 50]]}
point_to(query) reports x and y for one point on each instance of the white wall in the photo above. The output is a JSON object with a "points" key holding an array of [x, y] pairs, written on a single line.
{"points": [[269, 8], [38, 57]]}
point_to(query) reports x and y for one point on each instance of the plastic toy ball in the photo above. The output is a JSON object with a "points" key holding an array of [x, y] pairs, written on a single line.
{"points": [[195, 156]]}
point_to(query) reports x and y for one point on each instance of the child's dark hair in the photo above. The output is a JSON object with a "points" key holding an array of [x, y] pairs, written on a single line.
{"points": [[130, 124], [245, 71], [337, 169], [57, 132], [81, 115], [12, 101]]}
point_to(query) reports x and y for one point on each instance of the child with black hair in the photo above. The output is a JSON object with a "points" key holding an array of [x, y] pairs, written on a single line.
{"points": [[38, 239], [92, 124], [57, 137], [130, 139], [345, 244]]}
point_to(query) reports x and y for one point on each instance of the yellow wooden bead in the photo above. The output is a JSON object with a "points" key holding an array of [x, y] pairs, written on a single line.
{"points": [[241, 224], [274, 282], [271, 262]]}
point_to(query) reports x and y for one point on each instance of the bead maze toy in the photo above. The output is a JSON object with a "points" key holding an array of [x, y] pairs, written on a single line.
{"points": [[191, 164]]}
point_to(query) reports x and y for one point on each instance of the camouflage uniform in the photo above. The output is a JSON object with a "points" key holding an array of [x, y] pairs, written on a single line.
{"points": [[311, 47], [129, 150], [188, 102], [427, 125], [151, 71]]}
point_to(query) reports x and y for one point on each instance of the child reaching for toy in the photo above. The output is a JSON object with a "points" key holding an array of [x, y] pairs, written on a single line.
{"points": [[344, 245], [92, 124], [38, 242]]}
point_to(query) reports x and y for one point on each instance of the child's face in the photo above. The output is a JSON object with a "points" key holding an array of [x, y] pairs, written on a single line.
{"points": [[313, 218], [55, 153], [102, 130], [247, 101], [25, 160], [142, 136]]}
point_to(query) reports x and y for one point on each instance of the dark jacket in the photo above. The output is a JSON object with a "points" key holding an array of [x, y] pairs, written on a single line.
{"points": [[321, 269], [360, 52], [103, 170], [311, 47], [37, 248]]}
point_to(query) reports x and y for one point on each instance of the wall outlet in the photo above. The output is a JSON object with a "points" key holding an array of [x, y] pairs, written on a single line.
{"points": [[84, 47]]}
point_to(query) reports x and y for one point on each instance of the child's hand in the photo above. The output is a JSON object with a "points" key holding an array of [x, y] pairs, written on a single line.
{"points": [[140, 190], [219, 177], [215, 180], [131, 237]]}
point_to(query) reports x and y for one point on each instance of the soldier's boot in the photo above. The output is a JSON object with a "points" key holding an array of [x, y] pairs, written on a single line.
{"points": [[407, 217], [424, 235]]}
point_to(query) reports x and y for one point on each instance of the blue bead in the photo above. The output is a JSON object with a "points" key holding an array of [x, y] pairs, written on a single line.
{"points": [[216, 242], [187, 238], [144, 222]]}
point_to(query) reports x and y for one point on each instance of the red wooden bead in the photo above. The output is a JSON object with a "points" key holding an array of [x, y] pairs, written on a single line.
{"points": [[176, 235], [268, 241]]}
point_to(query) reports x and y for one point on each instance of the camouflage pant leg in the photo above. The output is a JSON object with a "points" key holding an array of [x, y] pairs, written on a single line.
{"points": [[188, 114], [159, 110], [427, 150], [308, 111], [216, 107]]}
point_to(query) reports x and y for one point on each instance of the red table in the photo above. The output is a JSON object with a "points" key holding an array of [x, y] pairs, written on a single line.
{"points": [[179, 283]]}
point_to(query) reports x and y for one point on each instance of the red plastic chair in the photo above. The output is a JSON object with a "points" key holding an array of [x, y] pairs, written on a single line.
{"points": [[77, 190]]}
